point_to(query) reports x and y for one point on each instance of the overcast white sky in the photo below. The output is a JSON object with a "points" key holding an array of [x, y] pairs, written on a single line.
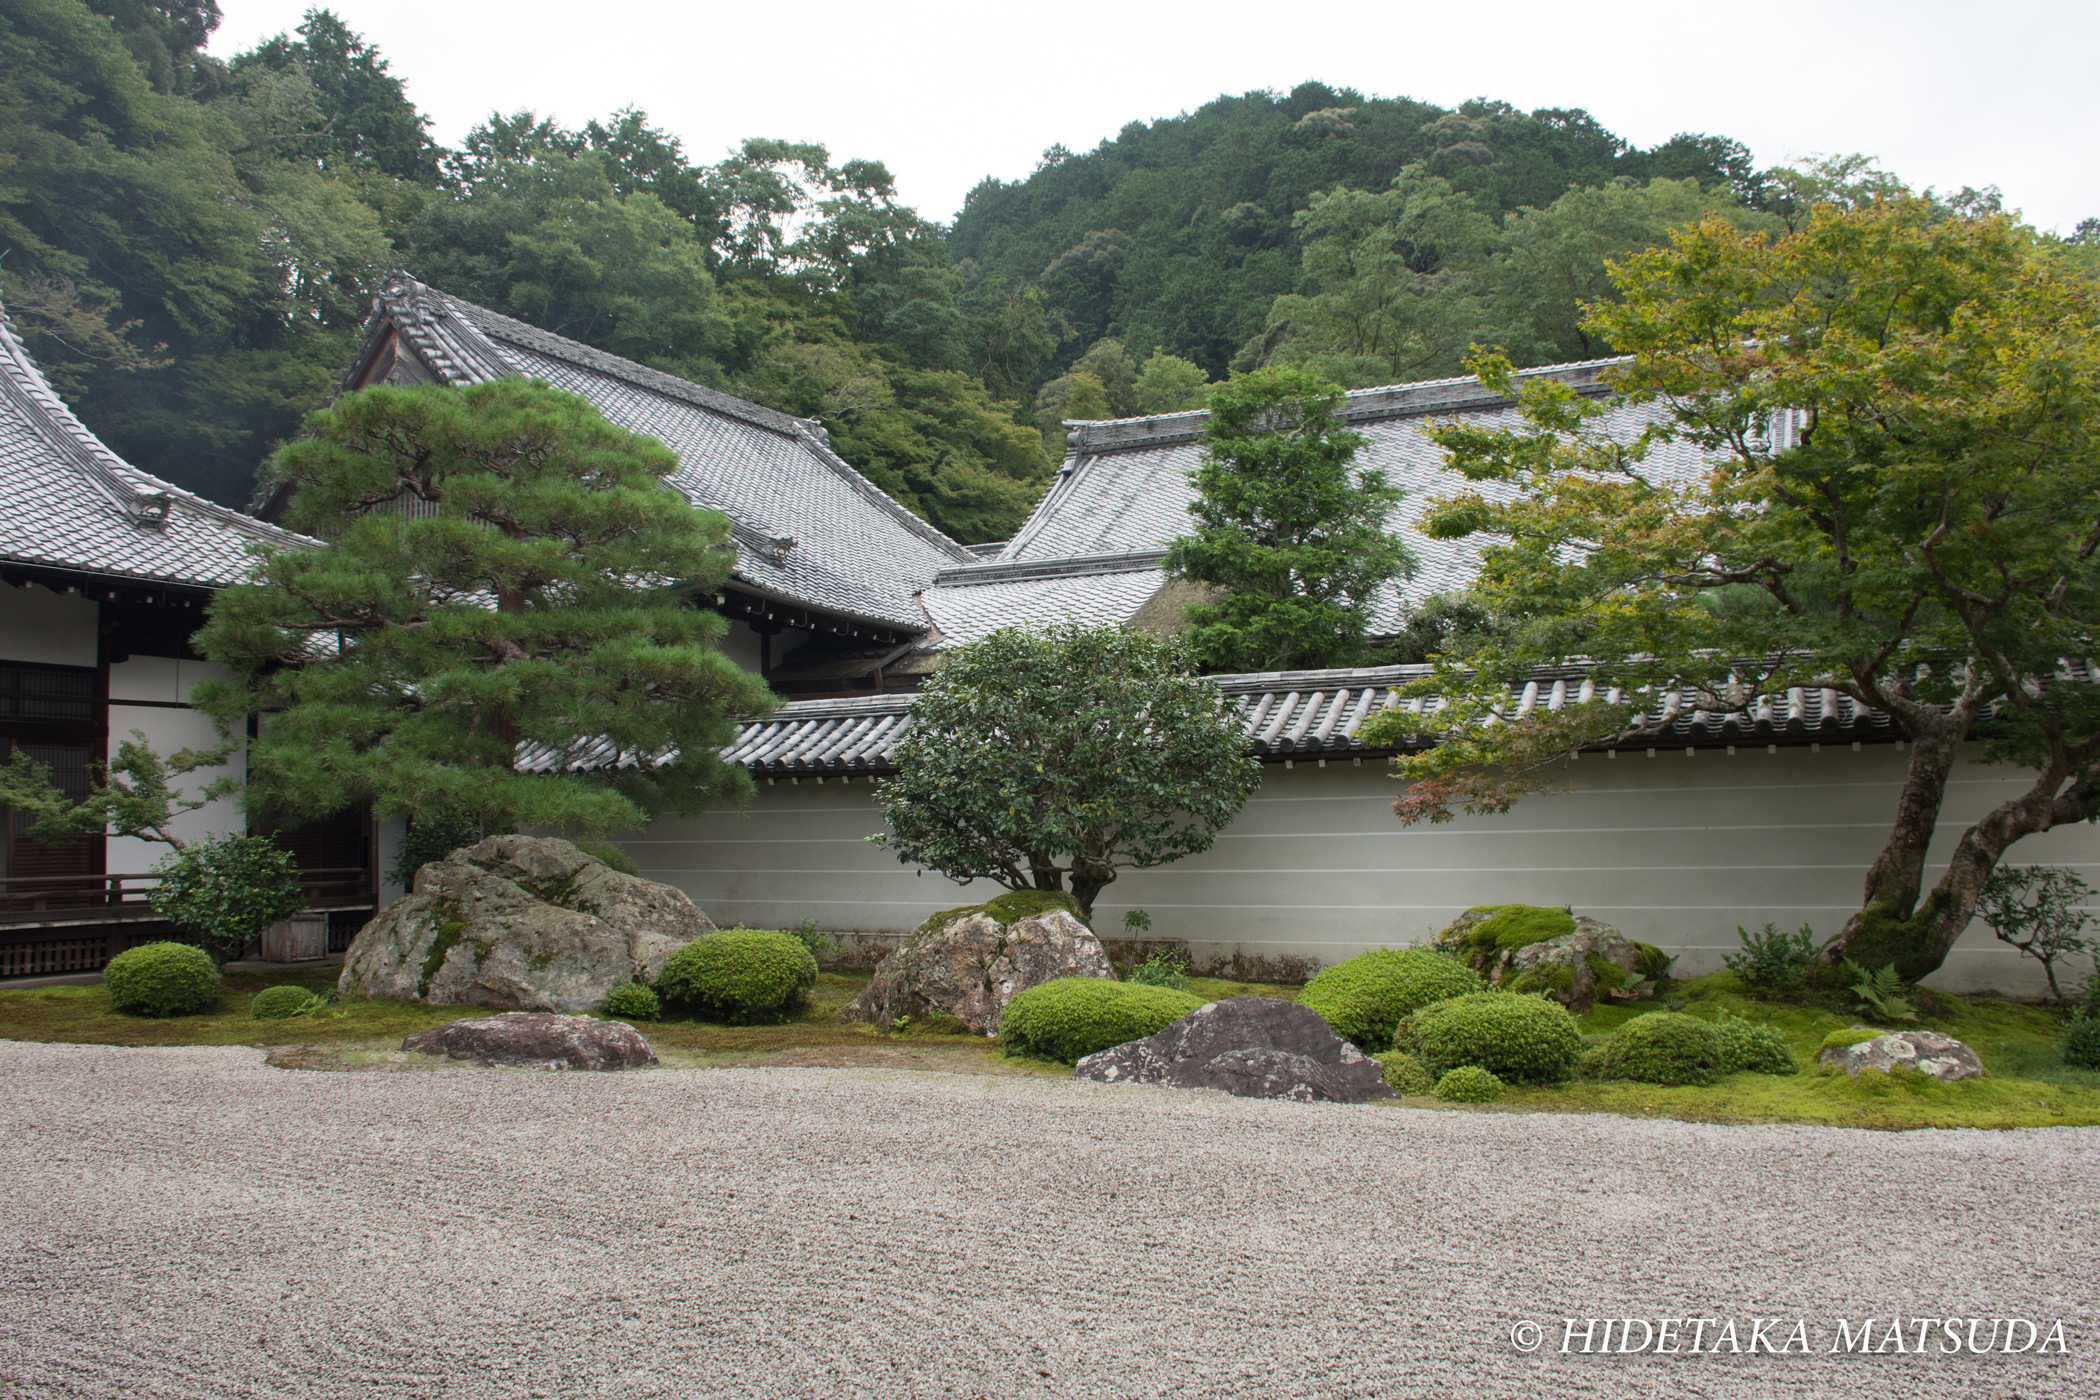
{"points": [[1945, 93]]}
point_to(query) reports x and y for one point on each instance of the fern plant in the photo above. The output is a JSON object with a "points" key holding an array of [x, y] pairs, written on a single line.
{"points": [[1880, 992]]}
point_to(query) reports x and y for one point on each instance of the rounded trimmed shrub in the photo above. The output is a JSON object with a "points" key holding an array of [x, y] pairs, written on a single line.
{"points": [[1469, 1084], [278, 1003], [1404, 1074], [162, 979], [1522, 1039], [633, 1001], [1663, 1047], [1072, 1017], [1748, 1048], [1365, 999], [2081, 1043], [740, 975]]}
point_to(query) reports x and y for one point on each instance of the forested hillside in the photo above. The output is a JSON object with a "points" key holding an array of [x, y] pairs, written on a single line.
{"points": [[190, 247]]}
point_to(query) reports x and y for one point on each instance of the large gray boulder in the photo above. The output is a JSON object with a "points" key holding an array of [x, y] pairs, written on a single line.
{"points": [[520, 923], [537, 1040], [1255, 1047], [969, 963], [1928, 1052]]}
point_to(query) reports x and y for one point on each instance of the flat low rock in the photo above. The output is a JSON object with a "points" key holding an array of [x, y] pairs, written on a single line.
{"points": [[537, 1040], [1252, 1047], [1941, 1056]]}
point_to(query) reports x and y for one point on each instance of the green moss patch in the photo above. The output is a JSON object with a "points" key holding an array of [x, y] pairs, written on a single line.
{"points": [[1512, 926], [449, 933], [1850, 1036]]}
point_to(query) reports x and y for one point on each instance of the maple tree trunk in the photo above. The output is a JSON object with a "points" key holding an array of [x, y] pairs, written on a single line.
{"points": [[1897, 877]]}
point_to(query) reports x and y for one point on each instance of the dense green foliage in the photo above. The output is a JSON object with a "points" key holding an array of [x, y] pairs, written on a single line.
{"points": [[1748, 1047], [2081, 1042], [1772, 962], [532, 500], [1662, 1047], [1469, 1084], [224, 890], [1073, 1017], [1905, 471], [1052, 757], [1181, 233], [280, 1003], [1286, 527], [1160, 970], [1364, 999], [740, 975], [1404, 1074], [432, 834], [1523, 1039], [162, 979], [633, 1001]]}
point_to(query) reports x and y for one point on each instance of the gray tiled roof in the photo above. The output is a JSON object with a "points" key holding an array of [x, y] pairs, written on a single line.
{"points": [[966, 603], [812, 529], [1125, 486], [1312, 714], [67, 502]]}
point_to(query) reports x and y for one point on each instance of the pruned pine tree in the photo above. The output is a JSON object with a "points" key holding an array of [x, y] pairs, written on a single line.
{"points": [[507, 571]]}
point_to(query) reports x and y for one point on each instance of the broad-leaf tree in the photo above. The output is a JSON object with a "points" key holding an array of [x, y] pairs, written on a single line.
{"points": [[1287, 527], [1053, 758], [1901, 503], [507, 569]]}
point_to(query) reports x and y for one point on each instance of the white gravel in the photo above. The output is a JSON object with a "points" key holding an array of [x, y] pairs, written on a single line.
{"points": [[193, 1222]]}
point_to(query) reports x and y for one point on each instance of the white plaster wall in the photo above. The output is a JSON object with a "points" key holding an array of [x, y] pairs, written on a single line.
{"points": [[163, 684], [1675, 850], [53, 629], [386, 839]]}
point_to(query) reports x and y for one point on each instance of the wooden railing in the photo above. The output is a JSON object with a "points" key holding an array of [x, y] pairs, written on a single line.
{"points": [[57, 901]]}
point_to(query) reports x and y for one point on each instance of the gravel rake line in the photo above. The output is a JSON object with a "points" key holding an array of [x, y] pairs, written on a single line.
{"points": [[192, 1222]]}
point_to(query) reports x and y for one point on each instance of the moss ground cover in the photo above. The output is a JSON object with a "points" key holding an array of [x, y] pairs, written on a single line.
{"points": [[2030, 1086]]}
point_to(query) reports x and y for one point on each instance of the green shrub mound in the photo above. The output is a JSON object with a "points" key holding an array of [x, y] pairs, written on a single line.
{"points": [[279, 1003], [1663, 1047], [1404, 1074], [162, 979], [1072, 1017], [1365, 999], [1469, 1084], [741, 975], [633, 1001], [1749, 1048], [2081, 1043], [1523, 1039]]}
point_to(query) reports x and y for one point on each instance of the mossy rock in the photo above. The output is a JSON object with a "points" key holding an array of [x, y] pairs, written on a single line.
{"points": [[1008, 909], [1849, 1037], [1575, 959], [1486, 930]]}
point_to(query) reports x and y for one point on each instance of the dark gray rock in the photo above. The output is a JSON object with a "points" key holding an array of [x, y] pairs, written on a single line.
{"points": [[1255, 1047], [537, 1040]]}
